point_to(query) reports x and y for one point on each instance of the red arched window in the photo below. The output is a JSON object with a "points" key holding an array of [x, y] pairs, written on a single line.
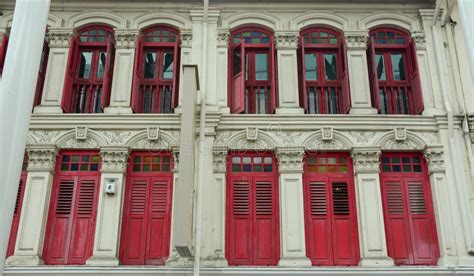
{"points": [[252, 78], [394, 76], [42, 71], [89, 70], [156, 72], [324, 80]]}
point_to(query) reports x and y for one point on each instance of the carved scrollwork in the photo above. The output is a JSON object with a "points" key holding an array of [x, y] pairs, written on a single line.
{"points": [[220, 159], [356, 40], [290, 159], [125, 39], [435, 159], [59, 38], [366, 160], [114, 159], [44, 137], [286, 40], [41, 158]]}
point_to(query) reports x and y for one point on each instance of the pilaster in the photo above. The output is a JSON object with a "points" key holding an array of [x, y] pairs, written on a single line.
{"points": [[186, 40], [223, 36], [34, 212], [356, 42], [292, 235], [56, 71], [286, 44], [107, 231], [123, 72], [370, 208]]}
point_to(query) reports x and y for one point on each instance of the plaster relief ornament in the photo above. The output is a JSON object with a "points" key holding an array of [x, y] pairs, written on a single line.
{"points": [[117, 137], [81, 133], [44, 136], [400, 134], [153, 133], [252, 133], [327, 133]]}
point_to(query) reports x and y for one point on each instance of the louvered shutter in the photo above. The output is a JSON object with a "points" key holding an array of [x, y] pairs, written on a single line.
{"points": [[373, 80], [176, 70], [273, 67], [241, 222], [264, 236], [66, 100], [108, 74], [3, 51], [16, 215], [345, 87], [416, 80], [137, 75], [320, 225], [41, 74], [302, 75], [238, 79]]}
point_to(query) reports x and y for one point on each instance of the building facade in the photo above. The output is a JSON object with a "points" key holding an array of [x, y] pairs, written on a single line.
{"points": [[338, 134]]}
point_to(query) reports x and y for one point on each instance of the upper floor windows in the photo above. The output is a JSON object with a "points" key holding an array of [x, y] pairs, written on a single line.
{"points": [[89, 71], [155, 82], [394, 76], [324, 81], [252, 71]]}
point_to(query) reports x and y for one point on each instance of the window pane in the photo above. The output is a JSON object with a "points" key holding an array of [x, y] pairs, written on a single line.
{"points": [[150, 61], [85, 65], [330, 67], [261, 67], [311, 66], [101, 65], [168, 63], [380, 67], [398, 65]]}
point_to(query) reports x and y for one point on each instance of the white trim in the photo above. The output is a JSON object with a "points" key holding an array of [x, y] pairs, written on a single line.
{"points": [[394, 19], [254, 18], [153, 18], [319, 18], [96, 17]]}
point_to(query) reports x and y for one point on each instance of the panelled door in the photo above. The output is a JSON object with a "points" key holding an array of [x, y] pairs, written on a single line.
{"points": [[408, 210], [330, 211], [73, 209], [147, 210], [17, 211], [252, 225]]}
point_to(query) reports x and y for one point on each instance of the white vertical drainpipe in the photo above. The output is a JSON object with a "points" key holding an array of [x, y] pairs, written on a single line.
{"points": [[454, 144], [202, 148], [17, 86]]}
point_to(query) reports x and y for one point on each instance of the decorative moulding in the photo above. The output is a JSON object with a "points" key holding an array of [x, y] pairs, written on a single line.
{"points": [[400, 134], [59, 38], [356, 40], [327, 133], [220, 159], [114, 159], [153, 133], [366, 160], [286, 40], [434, 156], [125, 38], [252, 133], [185, 37], [41, 158], [81, 133], [290, 159]]}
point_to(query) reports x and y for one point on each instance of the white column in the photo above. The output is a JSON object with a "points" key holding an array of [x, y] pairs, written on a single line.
{"points": [[287, 67], [292, 234], [121, 92], [186, 39], [373, 245], [222, 70], [109, 211], [34, 212], [361, 102], [434, 157], [55, 72]]}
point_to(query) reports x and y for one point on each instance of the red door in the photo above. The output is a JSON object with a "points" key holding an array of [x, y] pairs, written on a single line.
{"points": [[408, 210], [147, 210], [252, 227], [18, 205], [330, 212], [73, 209]]}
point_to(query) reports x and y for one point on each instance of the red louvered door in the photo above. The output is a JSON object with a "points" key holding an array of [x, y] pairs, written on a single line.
{"points": [[73, 209], [252, 227], [147, 214], [408, 211], [330, 212]]}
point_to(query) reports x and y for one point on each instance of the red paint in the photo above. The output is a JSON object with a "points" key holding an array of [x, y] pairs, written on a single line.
{"points": [[156, 93], [73, 209], [146, 226], [408, 210], [249, 93], [392, 94], [252, 221], [3, 51], [41, 74], [18, 206], [89, 92], [314, 92], [330, 211]]}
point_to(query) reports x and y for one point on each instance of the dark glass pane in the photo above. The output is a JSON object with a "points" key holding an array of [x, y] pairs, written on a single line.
{"points": [[396, 168], [330, 67], [398, 65], [76, 158], [312, 103], [332, 169], [342, 160], [406, 160], [343, 169], [166, 159], [137, 159], [101, 65], [265, 40], [311, 160], [168, 64], [385, 160], [165, 167], [312, 168], [155, 168], [85, 65], [333, 41], [74, 167], [157, 159], [94, 167], [417, 168], [64, 167], [406, 168], [147, 159], [84, 167], [247, 168], [150, 65], [322, 169], [415, 160], [136, 168], [85, 158], [267, 168], [261, 67], [66, 158], [236, 168], [386, 168], [395, 159], [391, 37], [311, 66], [257, 168], [381, 75], [95, 159], [146, 167]]}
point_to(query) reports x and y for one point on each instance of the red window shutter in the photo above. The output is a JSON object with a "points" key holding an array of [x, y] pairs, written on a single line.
{"points": [[158, 248], [70, 72], [241, 199], [374, 83], [345, 87], [416, 80], [238, 79], [108, 74], [138, 197], [65, 197], [302, 75], [264, 231], [264, 199], [3, 51], [137, 73], [41, 74], [16, 216], [176, 71], [86, 197], [273, 67]]}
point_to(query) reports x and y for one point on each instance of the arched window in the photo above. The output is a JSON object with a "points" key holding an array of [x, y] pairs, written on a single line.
{"points": [[156, 72], [252, 78], [394, 76], [324, 80], [89, 70]]}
